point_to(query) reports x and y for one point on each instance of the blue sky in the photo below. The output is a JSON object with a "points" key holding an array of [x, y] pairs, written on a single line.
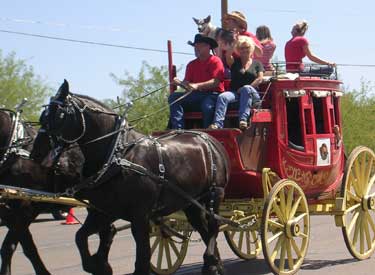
{"points": [[340, 31]]}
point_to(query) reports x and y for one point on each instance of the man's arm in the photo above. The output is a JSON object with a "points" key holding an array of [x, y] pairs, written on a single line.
{"points": [[211, 84]]}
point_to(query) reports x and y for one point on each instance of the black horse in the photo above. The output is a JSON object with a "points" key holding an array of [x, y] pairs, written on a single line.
{"points": [[136, 178], [17, 169]]}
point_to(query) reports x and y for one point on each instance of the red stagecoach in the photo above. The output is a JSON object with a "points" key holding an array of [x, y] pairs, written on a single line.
{"points": [[288, 165]]}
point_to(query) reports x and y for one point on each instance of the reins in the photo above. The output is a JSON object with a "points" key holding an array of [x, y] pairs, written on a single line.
{"points": [[128, 105]]}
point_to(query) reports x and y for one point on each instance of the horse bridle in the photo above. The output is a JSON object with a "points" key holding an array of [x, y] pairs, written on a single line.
{"points": [[64, 108]]}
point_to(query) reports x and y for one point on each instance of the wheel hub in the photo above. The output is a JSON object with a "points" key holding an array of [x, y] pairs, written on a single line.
{"points": [[293, 229], [368, 203]]}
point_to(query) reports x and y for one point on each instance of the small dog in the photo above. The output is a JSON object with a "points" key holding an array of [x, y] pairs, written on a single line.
{"points": [[206, 28]]}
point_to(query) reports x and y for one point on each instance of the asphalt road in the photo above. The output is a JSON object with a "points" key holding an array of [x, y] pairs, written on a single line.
{"points": [[327, 253]]}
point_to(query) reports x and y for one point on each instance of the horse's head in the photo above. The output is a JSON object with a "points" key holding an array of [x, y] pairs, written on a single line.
{"points": [[62, 123]]}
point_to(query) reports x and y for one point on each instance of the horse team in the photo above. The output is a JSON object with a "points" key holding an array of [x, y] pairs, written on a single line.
{"points": [[85, 149]]}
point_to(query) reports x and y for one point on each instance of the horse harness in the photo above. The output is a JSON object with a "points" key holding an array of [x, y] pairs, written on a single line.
{"points": [[116, 162], [19, 137]]}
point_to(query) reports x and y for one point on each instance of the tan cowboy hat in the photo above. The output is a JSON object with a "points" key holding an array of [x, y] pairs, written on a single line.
{"points": [[237, 16]]}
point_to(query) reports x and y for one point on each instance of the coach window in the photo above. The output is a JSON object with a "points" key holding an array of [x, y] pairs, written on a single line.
{"points": [[320, 115], [294, 123]]}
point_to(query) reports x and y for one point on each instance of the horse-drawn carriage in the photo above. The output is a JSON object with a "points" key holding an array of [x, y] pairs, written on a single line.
{"points": [[288, 165]]}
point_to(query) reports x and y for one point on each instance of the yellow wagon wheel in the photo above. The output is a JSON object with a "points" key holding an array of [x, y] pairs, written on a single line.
{"points": [[358, 191], [285, 227], [167, 252], [244, 243]]}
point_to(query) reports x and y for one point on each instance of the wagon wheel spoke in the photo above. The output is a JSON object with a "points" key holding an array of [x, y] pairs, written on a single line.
{"points": [[155, 244], [274, 237], [353, 196], [275, 224], [296, 248], [240, 240], [245, 244], [282, 256], [295, 207], [358, 181], [369, 185], [356, 230], [289, 201], [367, 169], [278, 212], [276, 249], [160, 254], [353, 208], [367, 232], [167, 255], [175, 250], [371, 222], [282, 203], [289, 253], [248, 245], [300, 217], [354, 183], [353, 222]]}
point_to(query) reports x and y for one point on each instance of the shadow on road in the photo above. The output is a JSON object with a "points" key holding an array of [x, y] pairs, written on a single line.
{"points": [[238, 267], [318, 264], [259, 266]]}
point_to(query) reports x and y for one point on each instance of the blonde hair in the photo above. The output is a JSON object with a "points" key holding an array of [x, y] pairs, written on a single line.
{"points": [[245, 41], [301, 27]]}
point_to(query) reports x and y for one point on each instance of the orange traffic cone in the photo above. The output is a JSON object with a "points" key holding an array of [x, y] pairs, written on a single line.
{"points": [[70, 219]]}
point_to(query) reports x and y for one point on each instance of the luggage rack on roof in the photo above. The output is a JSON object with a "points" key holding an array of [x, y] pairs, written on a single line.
{"points": [[310, 71]]}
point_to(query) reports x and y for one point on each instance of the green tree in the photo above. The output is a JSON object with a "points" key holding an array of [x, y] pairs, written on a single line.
{"points": [[149, 79], [18, 81], [358, 114]]}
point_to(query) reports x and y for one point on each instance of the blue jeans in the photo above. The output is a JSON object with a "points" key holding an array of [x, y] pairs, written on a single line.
{"points": [[248, 97], [206, 101]]}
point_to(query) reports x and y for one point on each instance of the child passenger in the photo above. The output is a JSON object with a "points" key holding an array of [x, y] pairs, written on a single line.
{"points": [[263, 34]]}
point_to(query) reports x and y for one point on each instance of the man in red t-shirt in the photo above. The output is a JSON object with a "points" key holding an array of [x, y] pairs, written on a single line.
{"points": [[205, 77]]}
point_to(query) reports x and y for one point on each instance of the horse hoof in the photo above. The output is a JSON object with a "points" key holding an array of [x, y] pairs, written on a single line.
{"points": [[101, 268], [211, 270]]}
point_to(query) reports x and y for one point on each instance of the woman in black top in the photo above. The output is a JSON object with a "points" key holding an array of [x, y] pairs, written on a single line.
{"points": [[246, 75]]}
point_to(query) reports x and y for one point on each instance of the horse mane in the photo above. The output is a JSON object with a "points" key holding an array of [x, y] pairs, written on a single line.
{"points": [[89, 102]]}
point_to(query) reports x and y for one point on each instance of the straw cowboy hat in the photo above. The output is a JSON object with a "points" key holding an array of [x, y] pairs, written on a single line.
{"points": [[237, 16], [204, 39]]}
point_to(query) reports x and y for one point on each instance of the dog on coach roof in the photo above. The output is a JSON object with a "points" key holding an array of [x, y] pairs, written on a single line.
{"points": [[206, 28]]}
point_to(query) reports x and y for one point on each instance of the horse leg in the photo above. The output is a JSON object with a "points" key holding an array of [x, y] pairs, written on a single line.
{"points": [[31, 252], [140, 230], [18, 225], [93, 224], [106, 239], [7, 250], [212, 262]]}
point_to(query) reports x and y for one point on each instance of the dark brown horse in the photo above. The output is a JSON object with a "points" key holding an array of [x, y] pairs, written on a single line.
{"points": [[18, 170], [136, 178]]}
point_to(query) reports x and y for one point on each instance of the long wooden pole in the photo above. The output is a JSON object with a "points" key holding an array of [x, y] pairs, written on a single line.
{"points": [[224, 10]]}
